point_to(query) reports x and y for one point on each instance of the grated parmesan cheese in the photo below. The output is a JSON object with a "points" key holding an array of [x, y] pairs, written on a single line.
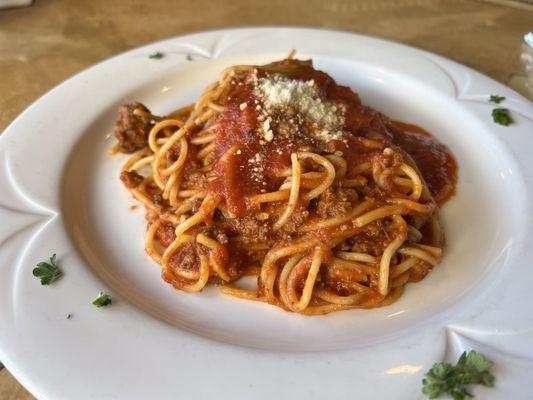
{"points": [[280, 94], [269, 135], [257, 167]]}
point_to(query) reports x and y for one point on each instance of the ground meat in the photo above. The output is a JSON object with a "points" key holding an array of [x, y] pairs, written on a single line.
{"points": [[132, 130], [334, 202], [371, 240], [217, 234], [185, 257], [158, 199], [165, 234], [131, 179], [249, 227], [194, 180], [298, 217]]}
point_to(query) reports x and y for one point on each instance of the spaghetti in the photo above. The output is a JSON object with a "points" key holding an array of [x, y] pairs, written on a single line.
{"points": [[279, 173]]}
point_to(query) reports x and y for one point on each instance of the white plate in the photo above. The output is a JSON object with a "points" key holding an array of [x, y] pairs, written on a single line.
{"points": [[61, 193]]}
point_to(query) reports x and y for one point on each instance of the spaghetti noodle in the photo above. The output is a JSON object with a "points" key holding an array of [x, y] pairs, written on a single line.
{"points": [[277, 172]]}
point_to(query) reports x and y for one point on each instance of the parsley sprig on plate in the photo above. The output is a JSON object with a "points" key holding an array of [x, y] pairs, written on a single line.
{"points": [[442, 378], [48, 272]]}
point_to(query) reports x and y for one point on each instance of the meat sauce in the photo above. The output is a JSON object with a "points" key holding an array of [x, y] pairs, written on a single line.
{"points": [[237, 142], [240, 150]]}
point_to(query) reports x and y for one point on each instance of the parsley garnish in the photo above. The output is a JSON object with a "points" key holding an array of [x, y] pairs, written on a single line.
{"points": [[501, 116], [472, 368], [156, 56], [188, 57], [48, 272], [494, 98], [102, 300], [69, 316]]}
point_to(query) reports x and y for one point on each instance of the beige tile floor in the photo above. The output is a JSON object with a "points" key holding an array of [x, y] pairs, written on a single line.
{"points": [[42, 45]]}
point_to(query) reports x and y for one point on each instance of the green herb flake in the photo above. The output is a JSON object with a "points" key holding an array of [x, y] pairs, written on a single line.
{"points": [[501, 116], [444, 378], [102, 300], [69, 316], [156, 56], [188, 57], [494, 98], [48, 272]]}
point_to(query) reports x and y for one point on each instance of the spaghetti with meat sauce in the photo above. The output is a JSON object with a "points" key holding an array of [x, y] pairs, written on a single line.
{"points": [[278, 172]]}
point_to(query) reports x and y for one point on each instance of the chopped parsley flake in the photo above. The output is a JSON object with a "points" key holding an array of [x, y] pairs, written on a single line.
{"points": [[494, 98], [156, 56], [501, 116], [102, 300], [48, 272]]}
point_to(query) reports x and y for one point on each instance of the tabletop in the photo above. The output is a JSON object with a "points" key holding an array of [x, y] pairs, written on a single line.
{"points": [[45, 43]]}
